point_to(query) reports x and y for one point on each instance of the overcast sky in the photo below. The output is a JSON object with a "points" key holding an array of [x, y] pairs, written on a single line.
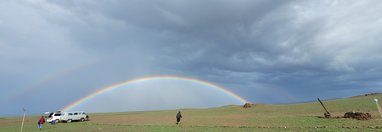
{"points": [[53, 52]]}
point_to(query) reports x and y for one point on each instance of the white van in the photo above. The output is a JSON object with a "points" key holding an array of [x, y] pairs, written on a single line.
{"points": [[74, 116], [53, 116], [59, 116]]}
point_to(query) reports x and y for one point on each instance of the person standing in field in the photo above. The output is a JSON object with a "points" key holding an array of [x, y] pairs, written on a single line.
{"points": [[40, 122], [178, 117]]}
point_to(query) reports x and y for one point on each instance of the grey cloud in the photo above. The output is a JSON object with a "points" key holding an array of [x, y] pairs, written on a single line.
{"points": [[301, 49]]}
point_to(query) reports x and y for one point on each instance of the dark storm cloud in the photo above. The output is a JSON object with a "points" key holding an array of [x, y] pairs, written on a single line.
{"points": [[284, 50]]}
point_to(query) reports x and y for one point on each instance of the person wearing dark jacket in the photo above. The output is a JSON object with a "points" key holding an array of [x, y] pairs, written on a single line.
{"points": [[178, 117], [40, 122]]}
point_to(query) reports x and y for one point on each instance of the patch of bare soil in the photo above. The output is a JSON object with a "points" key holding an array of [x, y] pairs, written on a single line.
{"points": [[358, 115], [6, 122]]}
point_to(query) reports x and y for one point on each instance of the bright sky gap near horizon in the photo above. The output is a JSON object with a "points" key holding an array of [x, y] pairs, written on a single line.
{"points": [[179, 93], [54, 52]]}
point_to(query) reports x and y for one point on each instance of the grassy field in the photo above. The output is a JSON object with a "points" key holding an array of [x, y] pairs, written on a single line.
{"points": [[261, 117]]}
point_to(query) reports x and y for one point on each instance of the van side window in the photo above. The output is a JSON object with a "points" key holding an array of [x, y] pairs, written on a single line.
{"points": [[75, 113], [70, 114]]}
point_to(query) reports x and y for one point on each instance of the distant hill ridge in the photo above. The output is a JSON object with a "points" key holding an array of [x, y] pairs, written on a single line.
{"points": [[368, 94]]}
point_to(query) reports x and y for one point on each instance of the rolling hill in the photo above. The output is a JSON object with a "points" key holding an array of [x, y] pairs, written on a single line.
{"points": [[285, 117]]}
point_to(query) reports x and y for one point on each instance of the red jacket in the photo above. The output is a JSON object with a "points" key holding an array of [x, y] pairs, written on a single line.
{"points": [[41, 121]]}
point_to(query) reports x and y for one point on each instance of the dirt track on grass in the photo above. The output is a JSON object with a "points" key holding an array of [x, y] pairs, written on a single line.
{"points": [[169, 119]]}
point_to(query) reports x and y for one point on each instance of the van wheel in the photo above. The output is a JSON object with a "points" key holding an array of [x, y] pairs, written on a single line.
{"points": [[82, 119], [68, 121]]}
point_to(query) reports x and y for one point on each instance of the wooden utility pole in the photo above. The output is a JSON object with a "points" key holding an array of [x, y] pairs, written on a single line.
{"points": [[327, 114], [22, 123], [378, 106]]}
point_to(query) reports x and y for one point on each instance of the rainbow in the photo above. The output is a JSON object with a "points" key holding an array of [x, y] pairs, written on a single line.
{"points": [[145, 79], [38, 84]]}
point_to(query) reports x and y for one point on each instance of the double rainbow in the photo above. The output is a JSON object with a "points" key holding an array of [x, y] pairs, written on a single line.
{"points": [[145, 79]]}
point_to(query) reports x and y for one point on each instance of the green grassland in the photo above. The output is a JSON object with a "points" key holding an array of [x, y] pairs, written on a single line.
{"points": [[261, 117]]}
